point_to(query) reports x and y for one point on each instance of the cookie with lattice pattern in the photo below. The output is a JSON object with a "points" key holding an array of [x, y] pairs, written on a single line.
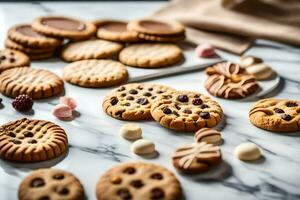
{"points": [[37, 83], [95, 73], [27, 140], [46, 184], [133, 101], [186, 111], [136, 181], [279, 115]]}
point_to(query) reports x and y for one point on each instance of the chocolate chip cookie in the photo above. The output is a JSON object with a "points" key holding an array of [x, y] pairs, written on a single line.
{"points": [[279, 115], [186, 111], [136, 181], [11, 59], [36, 83], [132, 101], [230, 81], [27, 140], [50, 184]]}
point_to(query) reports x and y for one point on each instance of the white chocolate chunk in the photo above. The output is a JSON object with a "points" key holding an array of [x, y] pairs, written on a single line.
{"points": [[247, 61], [247, 151], [131, 131], [143, 147], [260, 71]]}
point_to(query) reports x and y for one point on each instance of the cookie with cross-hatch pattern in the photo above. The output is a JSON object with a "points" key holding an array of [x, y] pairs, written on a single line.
{"points": [[37, 83], [95, 73], [133, 101], [186, 111], [138, 180], [279, 115], [27, 140], [151, 55], [90, 49], [50, 184]]}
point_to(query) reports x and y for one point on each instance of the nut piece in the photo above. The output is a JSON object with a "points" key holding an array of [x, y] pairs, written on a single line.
{"points": [[260, 71], [247, 61], [143, 147], [131, 131], [247, 152]]}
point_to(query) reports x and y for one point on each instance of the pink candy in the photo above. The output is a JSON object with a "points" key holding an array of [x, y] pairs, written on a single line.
{"points": [[64, 110], [205, 51]]}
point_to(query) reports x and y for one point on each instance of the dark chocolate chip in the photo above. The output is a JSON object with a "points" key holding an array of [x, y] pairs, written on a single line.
{"points": [[114, 101], [137, 183], [129, 170], [37, 182], [159, 92], [121, 89], [286, 117], [2, 57], [291, 104], [124, 193], [205, 115], [150, 89], [177, 106], [140, 87], [58, 176], [33, 141], [278, 110], [142, 101], [130, 98], [16, 141], [167, 110], [12, 60], [62, 190], [203, 106], [127, 104], [196, 96], [147, 94], [28, 134], [197, 101], [123, 94], [133, 91], [157, 176], [183, 98], [187, 111], [153, 97], [11, 134], [157, 193], [176, 113], [119, 113], [44, 198]]}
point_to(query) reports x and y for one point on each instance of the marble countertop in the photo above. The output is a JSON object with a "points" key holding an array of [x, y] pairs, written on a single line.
{"points": [[93, 136]]}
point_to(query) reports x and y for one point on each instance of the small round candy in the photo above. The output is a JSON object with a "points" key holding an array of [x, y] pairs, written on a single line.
{"points": [[131, 131], [247, 152], [143, 147]]}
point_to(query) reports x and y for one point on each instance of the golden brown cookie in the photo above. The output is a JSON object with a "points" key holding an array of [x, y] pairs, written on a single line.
{"points": [[41, 56], [186, 111], [95, 73], [230, 81], [12, 59], [37, 83], [208, 135], [138, 181], [90, 49], [24, 35], [54, 184], [279, 115], [132, 101], [151, 55], [64, 27], [27, 140], [196, 157], [115, 30]]}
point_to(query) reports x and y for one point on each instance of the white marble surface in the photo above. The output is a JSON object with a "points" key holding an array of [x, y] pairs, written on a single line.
{"points": [[95, 144]]}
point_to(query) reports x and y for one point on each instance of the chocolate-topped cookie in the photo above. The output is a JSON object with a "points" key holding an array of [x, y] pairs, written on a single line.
{"points": [[138, 181], [279, 115], [12, 59], [50, 184], [115, 30], [132, 101], [186, 111], [230, 81], [64, 27]]}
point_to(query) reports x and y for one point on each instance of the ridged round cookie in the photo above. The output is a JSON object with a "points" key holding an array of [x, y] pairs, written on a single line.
{"points": [[115, 30], [11, 59], [90, 49], [279, 115], [133, 101], [37, 83], [156, 27], [138, 181], [24, 34], [150, 55], [51, 184], [95, 73], [64, 27], [27, 140], [196, 157], [15, 46], [230, 81], [186, 111]]}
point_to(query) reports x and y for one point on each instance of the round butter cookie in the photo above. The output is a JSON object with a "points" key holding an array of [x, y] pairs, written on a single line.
{"points": [[11, 59]]}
